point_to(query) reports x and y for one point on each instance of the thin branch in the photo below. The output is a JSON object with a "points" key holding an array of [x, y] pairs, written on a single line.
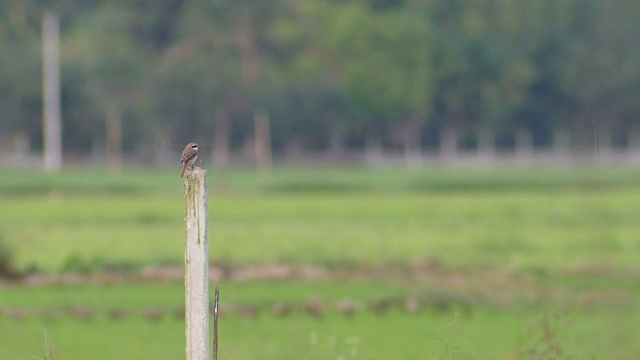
{"points": [[215, 320]]}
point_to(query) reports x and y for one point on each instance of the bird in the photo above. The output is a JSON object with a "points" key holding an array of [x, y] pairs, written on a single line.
{"points": [[189, 155]]}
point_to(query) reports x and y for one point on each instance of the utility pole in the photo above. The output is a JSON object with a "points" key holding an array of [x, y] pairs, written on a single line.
{"points": [[51, 127]]}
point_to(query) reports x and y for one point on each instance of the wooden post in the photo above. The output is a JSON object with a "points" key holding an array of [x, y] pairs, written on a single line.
{"points": [[196, 265]]}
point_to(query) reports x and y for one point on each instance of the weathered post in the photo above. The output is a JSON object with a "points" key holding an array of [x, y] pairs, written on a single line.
{"points": [[196, 265]]}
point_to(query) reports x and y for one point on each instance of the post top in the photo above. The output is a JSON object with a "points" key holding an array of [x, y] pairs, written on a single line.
{"points": [[195, 172]]}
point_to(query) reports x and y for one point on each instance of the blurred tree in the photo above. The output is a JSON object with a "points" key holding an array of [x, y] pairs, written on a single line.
{"points": [[601, 72], [20, 69], [215, 62], [101, 49], [382, 61], [542, 41], [305, 74], [198, 79], [482, 74], [329, 73]]}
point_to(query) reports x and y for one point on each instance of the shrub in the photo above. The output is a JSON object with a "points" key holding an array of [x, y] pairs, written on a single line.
{"points": [[7, 268]]}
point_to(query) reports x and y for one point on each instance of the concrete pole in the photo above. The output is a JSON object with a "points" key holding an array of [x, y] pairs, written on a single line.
{"points": [[52, 133], [196, 265]]}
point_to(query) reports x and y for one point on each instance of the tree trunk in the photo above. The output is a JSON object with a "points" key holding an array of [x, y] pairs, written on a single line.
{"points": [[262, 134], [524, 145], [604, 141], [249, 150], [486, 143], [412, 143], [633, 140], [113, 122], [248, 49], [336, 142], [584, 139], [98, 152], [20, 148], [449, 143], [21, 145], [561, 142], [221, 139], [374, 152], [162, 153], [293, 149]]}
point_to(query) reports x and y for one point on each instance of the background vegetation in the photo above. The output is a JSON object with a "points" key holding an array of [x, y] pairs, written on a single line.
{"points": [[333, 75]]}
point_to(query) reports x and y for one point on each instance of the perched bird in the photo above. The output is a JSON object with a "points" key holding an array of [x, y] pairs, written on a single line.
{"points": [[189, 155]]}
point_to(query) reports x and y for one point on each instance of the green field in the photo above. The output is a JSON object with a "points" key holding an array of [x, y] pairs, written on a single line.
{"points": [[506, 263]]}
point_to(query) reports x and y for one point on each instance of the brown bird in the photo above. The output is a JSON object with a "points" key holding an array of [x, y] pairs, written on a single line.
{"points": [[189, 155]]}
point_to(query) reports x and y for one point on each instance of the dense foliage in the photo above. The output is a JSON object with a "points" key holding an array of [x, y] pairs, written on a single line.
{"points": [[333, 74]]}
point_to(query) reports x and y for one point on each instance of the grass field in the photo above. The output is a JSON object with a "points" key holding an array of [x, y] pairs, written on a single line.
{"points": [[504, 263]]}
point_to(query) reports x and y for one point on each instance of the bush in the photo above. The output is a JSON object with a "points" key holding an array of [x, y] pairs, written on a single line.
{"points": [[7, 268]]}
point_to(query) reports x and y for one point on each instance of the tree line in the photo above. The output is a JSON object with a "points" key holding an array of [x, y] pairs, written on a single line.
{"points": [[330, 75]]}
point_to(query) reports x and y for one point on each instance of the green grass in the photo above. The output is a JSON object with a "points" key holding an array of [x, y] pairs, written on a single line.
{"points": [[514, 228], [479, 332], [569, 235], [323, 179]]}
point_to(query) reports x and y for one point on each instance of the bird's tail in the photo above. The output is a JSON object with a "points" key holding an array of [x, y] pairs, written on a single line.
{"points": [[184, 167]]}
